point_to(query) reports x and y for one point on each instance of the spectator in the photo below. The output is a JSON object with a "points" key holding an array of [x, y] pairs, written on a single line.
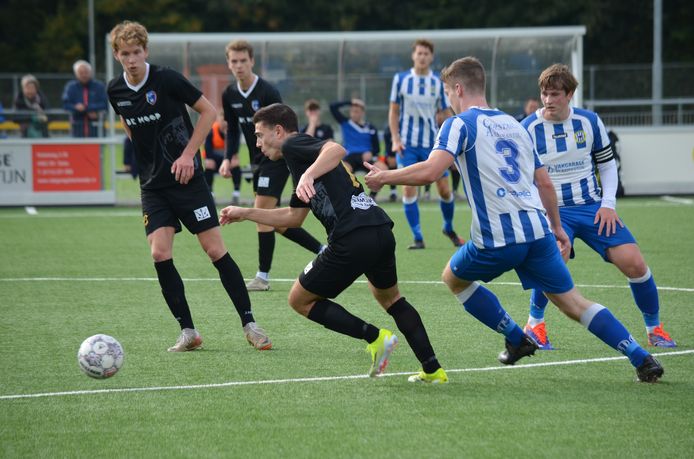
{"points": [[314, 127], [85, 99], [32, 103], [530, 107]]}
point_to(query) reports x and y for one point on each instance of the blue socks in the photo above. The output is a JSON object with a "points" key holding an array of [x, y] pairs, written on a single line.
{"points": [[412, 215], [538, 304], [485, 307], [600, 322], [646, 297], [447, 209]]}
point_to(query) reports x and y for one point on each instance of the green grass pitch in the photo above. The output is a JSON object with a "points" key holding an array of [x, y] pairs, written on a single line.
{"points": [[68, 273]]}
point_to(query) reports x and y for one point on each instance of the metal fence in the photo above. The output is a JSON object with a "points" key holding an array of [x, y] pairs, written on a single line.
{"points": [[620, 93]]}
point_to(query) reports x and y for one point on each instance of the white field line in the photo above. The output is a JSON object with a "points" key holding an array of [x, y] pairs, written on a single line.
{"points": [[359, 281], [319, 378], [664, 201]]}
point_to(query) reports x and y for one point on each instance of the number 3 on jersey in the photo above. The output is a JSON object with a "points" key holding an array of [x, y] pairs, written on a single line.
{"points": [[509, 150]]}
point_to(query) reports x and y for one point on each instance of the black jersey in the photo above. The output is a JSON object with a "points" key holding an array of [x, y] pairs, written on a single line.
{"points": [[340, 203], [159, 122], [323, 131], [239, 108]]}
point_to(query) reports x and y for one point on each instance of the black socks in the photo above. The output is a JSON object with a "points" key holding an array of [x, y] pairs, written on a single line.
{"points": [[410, 324], [303, 238], [336, 318], [266, 247], [233, 283], [173, 291]]}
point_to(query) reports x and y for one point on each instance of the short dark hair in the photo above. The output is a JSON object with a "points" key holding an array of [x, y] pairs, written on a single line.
{"points": [[468, 71], [311, 104], [277, 115], [425, 43]]}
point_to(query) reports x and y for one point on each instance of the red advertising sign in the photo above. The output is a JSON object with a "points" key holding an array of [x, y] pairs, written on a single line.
{"points": [[62, 167]]}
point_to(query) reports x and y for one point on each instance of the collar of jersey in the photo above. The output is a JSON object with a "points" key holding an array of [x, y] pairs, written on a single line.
{"points": [[141, 83], [245, 94]]}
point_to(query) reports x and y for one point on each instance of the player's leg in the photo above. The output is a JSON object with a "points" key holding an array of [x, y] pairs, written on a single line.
{"points": [[232, 280], [382, 277], [409, 201], [472, 263], [161, 224], [335, 269], [629, 260], [536, 327], [601, 323], [391, 163], [161, 246], [545, 269], [447, 204]]}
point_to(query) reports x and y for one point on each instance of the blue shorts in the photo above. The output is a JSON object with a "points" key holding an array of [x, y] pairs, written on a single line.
{"points": [[414, 155], [578, 223], [538, 264]]}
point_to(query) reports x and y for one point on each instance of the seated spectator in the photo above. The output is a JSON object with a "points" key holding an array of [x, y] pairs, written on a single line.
{"points": [[31, 103], [314, 127], [85, 99]]}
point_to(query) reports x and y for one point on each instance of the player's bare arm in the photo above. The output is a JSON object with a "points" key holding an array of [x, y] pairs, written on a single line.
{"points": [[284, 217], [394, 125], [417, 174], [183, 168], [549, 201], [329, 158]]}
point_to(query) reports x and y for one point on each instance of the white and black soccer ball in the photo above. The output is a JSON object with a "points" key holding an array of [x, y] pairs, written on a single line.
{"points": [[100, 356]]}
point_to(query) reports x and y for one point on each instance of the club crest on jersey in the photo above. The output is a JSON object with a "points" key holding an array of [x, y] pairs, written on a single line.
{"points": [[580, 136], [151, 97], [255, 105]]}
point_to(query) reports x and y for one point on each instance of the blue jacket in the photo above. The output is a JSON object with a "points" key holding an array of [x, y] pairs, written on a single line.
{"points": [[73, 94]]}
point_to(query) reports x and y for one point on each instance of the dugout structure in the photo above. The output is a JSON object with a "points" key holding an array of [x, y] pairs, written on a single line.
{"points": [[331, 66]]}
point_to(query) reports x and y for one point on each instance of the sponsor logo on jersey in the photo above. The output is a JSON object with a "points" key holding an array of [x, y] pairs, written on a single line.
{"points": [[124, 103], [255, 105], [136, 120], [580, 136], [151, 97], [506, 130], [202, 213], [362, 201], [263, 182], [566, 167], [523, 194], [308, 267], [561, 135], [145, 219], [236, 105]]}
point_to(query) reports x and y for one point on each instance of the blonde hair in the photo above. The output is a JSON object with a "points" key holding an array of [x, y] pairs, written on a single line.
{"points": [[468, 71], [239, 45], [557, 76], [129, 33]]}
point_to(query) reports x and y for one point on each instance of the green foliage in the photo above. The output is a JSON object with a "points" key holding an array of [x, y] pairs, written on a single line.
{"points": [[48, 37]]}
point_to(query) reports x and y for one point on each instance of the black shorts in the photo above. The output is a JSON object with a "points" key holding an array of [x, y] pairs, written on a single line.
{"points": [[357, 163], [369, 250], [270, 178], [191, 204]]}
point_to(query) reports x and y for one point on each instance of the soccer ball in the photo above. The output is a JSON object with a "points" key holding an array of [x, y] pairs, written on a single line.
{"points": [[100, 356]]}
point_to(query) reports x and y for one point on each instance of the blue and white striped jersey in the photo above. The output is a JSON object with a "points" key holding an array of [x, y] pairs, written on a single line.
{"points": [[497, 162], [567, 149], [419, 97]]}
